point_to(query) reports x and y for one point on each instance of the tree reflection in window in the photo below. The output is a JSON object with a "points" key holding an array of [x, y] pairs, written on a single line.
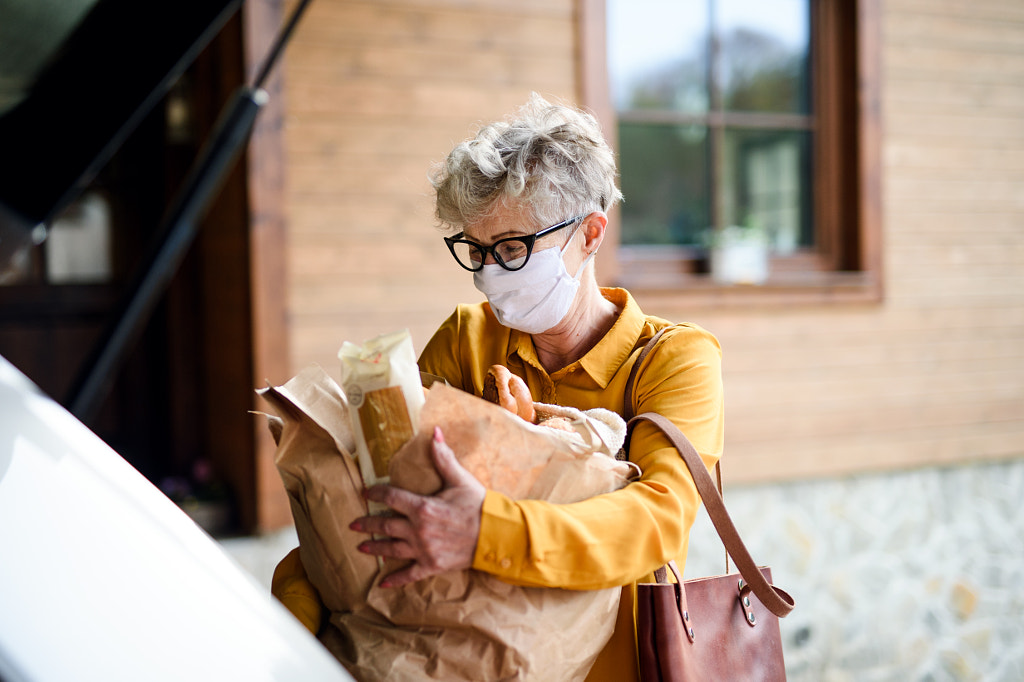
{"points": [[714, 118]]}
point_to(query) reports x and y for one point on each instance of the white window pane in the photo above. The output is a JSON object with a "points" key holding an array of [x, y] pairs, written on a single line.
{"points": [[766, 183], [765, 52], [657, 54]]}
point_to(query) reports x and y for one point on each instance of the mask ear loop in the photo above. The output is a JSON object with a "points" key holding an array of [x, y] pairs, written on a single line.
{"points": [[571, 237], [583, 265], [586, 261]]}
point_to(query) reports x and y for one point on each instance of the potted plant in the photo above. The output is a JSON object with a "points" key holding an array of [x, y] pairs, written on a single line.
{"points": [[739, 254]]}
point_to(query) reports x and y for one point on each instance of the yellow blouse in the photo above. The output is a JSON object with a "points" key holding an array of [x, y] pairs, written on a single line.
{"points": [[616, 539], [621, 537]]}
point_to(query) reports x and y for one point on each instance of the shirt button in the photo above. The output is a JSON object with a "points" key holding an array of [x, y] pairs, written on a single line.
{"points": [[490, 557], [506, 562]]}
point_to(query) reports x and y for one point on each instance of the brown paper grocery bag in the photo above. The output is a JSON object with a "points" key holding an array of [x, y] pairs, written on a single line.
{"points": [[462, 625], [323, 483]]}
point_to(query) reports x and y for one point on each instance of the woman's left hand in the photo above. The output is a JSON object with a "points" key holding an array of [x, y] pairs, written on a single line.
{"points": [[438, 533]]}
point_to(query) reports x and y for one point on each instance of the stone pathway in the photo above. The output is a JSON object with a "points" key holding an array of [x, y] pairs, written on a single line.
{"points": [[912, 576]]}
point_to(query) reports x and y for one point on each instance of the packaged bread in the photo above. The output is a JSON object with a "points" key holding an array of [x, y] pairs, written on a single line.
{"points": [[382, 383]]}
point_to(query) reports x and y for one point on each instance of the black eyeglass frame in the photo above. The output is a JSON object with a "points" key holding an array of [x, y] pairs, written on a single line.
{"points": [[528, 239]]}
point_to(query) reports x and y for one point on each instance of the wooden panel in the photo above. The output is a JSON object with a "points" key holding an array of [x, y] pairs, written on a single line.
{"points": [[511, 27], [494, 8], [390, 259], [330, 216], [377, 93], [967, 11], [368, 175], [442, 62], [941, 27], [222, 299], [947, 157], [341, 138], [983, 129], [267, 241], [460, 101], [919, 448], [945, 62]]}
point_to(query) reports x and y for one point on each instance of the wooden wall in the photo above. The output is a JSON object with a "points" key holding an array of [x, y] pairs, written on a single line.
{"points": [[378, 90]]}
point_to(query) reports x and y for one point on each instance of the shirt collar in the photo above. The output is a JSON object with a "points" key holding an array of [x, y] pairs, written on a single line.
{"points": [[603, 360]]}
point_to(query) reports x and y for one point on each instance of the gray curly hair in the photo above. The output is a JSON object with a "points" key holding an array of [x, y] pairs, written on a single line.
{"points": [[550, 159]]}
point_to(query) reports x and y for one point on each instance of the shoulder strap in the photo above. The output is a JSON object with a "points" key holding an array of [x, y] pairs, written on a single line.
{"points": [[774, 599], [628, 410]]}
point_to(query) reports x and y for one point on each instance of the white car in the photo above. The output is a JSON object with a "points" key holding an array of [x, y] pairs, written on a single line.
{"points": [[102, 577]]}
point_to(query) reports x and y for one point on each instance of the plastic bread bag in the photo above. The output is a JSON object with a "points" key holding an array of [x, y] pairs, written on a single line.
{"points": [[385, 396]]}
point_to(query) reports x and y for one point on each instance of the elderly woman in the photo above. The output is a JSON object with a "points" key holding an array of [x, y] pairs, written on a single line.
{"points": [[527, 201]]}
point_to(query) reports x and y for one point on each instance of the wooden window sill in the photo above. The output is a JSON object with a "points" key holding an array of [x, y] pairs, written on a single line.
{"points": [[781, 289]]}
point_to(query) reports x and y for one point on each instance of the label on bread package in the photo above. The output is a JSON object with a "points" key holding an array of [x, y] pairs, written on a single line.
{"points": [[382, 383], [386, 425]]}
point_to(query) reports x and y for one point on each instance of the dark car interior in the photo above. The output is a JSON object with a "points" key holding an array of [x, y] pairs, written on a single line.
{"points": [[121, 210]]}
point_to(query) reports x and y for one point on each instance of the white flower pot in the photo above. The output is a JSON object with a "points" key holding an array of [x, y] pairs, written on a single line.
{"points": [[740, 263]]}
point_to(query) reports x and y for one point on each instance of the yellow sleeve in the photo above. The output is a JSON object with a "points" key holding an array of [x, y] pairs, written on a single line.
{"points": [[292, 588], [465, 346], [619, 537], [443, 357]]}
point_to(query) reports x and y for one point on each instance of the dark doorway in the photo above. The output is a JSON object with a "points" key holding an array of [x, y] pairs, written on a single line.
{"points": [[178, 410]]}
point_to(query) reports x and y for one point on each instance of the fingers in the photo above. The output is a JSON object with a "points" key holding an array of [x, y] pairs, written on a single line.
{"points": [[384, 525], [387, 547], [447, 464], [436, 533], [452, 472], [402, 501]]}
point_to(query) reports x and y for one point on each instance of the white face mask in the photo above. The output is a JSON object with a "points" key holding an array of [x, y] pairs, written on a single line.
{"points": [[534, 298]]}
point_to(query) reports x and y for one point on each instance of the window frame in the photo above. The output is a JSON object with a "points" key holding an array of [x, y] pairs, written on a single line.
{"points": [[846, 263]]}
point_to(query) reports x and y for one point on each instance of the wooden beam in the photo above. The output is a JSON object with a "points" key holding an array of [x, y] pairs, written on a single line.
{"points": [[267, 236]]}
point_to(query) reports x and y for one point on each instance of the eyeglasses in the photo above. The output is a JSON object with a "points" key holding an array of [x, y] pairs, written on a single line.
{"points": [[511, 253]]}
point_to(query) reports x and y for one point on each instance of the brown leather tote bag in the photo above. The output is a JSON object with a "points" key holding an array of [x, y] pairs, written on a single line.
{"points": [[707, 629]]}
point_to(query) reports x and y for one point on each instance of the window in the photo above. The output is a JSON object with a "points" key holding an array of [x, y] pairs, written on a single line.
{"points": [[739, 119]]}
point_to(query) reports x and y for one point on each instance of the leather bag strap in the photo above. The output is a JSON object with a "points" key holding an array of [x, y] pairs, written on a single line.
{"points": [[629, 411], [773, 598], [628, 399]]}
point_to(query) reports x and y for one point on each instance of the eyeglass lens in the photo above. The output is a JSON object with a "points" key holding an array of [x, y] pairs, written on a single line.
{"points": [[509, 252]]}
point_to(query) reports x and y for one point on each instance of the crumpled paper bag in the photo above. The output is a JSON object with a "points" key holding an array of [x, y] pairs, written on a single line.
{"points": [[512, 456], [461, 625]]}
